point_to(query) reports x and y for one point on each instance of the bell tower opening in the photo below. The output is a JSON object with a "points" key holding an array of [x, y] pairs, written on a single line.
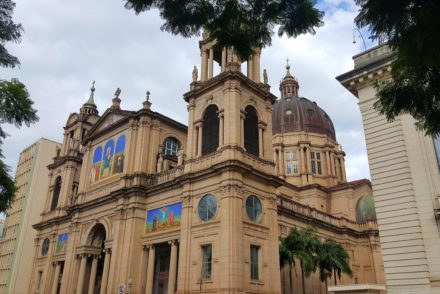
{"points": [[210, 133], [251, 131]]}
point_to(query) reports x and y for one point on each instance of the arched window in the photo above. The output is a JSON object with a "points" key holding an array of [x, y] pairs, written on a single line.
{"points": [[45, 247], [251, 131], [56, 193], [210, 131], [171, 146]]}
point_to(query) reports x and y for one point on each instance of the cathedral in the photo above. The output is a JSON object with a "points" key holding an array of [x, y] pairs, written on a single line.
{"points": [[140, 203]]}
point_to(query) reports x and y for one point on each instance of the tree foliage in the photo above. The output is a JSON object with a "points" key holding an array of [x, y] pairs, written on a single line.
{"points": [[412, 29], [15, 104], [328, 257], [331, 258], [239, 24], [9, 32]]}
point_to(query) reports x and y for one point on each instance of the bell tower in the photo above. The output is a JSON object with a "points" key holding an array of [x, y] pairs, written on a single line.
{"points": [[230, 109], [231, 179]]}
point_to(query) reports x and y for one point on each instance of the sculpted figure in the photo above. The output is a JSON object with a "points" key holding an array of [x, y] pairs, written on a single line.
{"points": [[195, 74], [265, 76]]}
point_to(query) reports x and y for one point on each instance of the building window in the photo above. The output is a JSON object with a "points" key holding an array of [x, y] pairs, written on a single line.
{"points": [[210, 131], [207, 207], [253, 208], [206, 261], [56, 193], [316, 162], [45, 247], [251, 131], [291, 162], [254, 262], [437, 147], [171, 146]]}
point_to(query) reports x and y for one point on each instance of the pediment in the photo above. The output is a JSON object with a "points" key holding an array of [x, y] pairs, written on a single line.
{"points": [[109, 119]]}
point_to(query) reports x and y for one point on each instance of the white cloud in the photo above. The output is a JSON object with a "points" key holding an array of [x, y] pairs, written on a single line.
{"points": [[68, 44]]}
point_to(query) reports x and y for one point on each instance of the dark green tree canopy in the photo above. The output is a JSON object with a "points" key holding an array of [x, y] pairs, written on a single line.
{"points": [[412, 29], [15, 104], [239, 24], [9, 32]]}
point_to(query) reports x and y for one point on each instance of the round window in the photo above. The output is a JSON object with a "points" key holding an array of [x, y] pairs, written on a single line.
{"points": [[289, 112], [207, 207], [45, 247], [253, 208]]}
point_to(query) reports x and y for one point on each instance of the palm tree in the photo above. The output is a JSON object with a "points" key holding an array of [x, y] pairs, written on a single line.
{"points": [[302, 246], [331, 259]]}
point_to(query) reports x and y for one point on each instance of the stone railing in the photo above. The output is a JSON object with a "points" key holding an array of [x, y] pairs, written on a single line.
{"points": [[167, 176], [305, 211]]}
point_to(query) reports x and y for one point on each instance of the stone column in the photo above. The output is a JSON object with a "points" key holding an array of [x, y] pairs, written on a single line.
{"points": [[93, 274], [281, 161], [57, 277], [82, 271], [173, 268], [327, 163], [275, 159], [105, 272], [211, 64], [143, 271], [309, 161], [242, 129], [250, 69], [199, 139], [337, 168], [256, 64], [150, 270], [204, 69], [222, 128], [260, 141], [332, 163], [303, 160], [342, 164]]}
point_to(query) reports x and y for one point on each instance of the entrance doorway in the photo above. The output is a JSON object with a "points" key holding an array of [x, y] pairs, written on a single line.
{"points": [[161, 269], [96, 239]]}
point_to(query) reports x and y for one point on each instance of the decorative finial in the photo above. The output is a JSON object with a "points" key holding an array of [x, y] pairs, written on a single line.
{"points": [[148, 95], [117, 93], [265, 79], [93, 87]]}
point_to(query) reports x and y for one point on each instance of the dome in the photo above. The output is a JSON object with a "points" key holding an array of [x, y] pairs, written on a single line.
{"points": [[292, 113], [365, 209]]}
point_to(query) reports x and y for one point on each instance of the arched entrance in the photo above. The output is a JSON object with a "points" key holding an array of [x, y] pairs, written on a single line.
{"points": [[97, 237], [92, 260]]}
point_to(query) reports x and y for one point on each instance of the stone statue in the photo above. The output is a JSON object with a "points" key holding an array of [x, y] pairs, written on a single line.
{"points": [[265, 76], [195, 74], [159, 164], [180, 156], [58, 150], [117, 92]]}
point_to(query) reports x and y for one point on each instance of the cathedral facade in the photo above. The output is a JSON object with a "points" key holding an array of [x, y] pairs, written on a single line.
{"points": [[140, 203]]}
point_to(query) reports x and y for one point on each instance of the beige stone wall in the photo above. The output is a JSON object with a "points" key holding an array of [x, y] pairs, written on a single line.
{"points": [[405, 178], [17, 247], [401, 178]]}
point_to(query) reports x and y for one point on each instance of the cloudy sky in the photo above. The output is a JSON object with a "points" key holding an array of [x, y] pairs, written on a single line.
{"points": [[68, 44]]}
